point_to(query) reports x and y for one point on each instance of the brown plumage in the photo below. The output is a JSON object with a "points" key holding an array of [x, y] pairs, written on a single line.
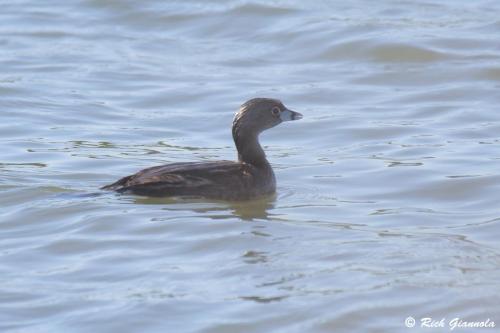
{"points": [[250, 177]]}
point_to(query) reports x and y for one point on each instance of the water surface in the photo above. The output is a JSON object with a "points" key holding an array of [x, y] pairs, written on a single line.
{"points": [[388, 189]]}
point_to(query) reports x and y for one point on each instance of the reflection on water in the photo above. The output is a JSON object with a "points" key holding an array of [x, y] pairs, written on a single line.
{"points": [[255, 209], [387, 190], [245, 210]]}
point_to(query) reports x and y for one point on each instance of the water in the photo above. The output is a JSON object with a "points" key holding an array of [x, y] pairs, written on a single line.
{"points": [[388, 189]]}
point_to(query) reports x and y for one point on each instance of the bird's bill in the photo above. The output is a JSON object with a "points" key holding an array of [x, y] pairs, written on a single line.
{"points": [[287, 115]]}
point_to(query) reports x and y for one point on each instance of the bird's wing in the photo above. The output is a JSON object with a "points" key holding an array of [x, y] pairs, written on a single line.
{"points": [[190, 174]]}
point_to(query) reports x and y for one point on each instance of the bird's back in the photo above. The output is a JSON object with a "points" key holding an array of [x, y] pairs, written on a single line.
{"points": [[225, 180]]}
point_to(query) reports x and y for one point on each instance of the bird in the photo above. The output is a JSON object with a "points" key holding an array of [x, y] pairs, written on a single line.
{"points": [[250, 177]]}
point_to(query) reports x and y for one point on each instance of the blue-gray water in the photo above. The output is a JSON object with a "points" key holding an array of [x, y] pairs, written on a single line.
{"points": [[388, 190]]}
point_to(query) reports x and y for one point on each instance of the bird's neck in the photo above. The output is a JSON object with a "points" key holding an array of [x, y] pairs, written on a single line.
{"points": [[250, 150]]}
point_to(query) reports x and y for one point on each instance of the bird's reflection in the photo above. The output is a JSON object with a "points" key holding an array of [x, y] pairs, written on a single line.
{"points": [[245, 210], [254, 209]]}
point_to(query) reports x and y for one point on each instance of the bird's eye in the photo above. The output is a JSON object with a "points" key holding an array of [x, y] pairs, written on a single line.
{"points": [[275, 111]]}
